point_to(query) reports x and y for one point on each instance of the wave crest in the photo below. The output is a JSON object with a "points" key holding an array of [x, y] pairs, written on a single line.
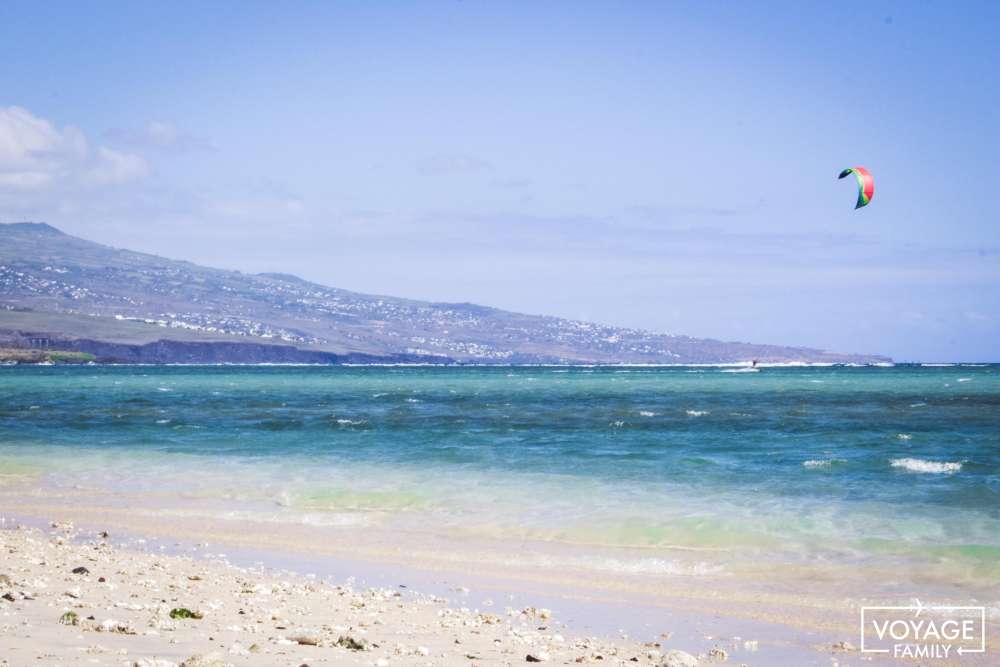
{"points": [[920, 465]]}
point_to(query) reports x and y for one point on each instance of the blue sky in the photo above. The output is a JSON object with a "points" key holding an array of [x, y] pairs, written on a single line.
{"points": [[664, 165]]}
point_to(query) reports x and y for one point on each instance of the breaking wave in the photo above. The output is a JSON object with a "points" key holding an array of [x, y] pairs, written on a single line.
{"points": [[920, 465]]}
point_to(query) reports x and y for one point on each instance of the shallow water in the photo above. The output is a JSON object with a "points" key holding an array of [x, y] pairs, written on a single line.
{"points": [[681, 471]]}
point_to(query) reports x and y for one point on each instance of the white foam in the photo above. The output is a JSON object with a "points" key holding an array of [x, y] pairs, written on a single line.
{"points": [[817, 463], [351, 422], [647, 413], [697, 413], [619, 565], [920, 465], [965, 379], [904, 436]]}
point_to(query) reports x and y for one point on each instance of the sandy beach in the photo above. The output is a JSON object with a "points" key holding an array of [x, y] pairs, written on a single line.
{"points": [[73, 598]]}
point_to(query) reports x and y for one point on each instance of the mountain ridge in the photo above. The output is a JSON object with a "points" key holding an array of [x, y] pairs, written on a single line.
{"points": [[48, 278]]}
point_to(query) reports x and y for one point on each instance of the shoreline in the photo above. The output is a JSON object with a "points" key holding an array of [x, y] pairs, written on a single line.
{"points": [[746, 363], [682, 503], [85, 599], [625, 620]]}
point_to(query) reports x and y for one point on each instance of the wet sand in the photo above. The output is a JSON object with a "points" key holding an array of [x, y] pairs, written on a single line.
{"points": [[266, 605]]}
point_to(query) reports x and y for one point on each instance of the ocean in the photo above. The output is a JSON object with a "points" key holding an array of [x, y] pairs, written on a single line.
{"points": [[888, 477]]}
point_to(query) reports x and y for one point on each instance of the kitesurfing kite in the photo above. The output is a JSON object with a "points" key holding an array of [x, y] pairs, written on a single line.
{"points": [[866, 184]]}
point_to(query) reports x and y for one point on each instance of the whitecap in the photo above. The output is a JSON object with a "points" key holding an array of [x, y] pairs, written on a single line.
{"points": [[697, 413], [646, 413], [920, 465], [965, 379], [351, 422], [817, 463], [904, 436]]}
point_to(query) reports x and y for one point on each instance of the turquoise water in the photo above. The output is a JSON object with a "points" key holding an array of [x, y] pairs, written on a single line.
{"points": [[805, 464]]}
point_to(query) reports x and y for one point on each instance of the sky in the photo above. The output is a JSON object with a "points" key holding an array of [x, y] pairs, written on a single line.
{"points": [[669, 166]]}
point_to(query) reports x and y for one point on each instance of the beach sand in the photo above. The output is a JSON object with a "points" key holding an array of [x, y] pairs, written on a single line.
{"points": [[70, 597], [367, 609]]}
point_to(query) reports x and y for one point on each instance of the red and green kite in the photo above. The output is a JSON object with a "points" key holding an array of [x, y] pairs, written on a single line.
{"points": [[866, 184]]}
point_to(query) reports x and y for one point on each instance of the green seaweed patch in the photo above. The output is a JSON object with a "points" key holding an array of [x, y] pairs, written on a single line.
{"points": [[352, 644], [69, 618], [71, 357], [184, 612]]}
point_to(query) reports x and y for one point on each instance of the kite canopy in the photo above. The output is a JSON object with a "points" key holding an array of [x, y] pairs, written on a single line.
{"points": [[866, 184]]}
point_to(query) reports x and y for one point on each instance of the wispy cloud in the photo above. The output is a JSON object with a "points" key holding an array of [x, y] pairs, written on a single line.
{"points": [[454, 163], [159, 136], [644, 212], [514, 183]]}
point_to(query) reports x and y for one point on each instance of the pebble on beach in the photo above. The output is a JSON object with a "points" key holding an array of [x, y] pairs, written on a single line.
{"points": [[677, 658]]}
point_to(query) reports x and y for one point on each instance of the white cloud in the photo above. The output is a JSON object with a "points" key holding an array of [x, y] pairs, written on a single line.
{"points": [[36, 155], [115, 167]]}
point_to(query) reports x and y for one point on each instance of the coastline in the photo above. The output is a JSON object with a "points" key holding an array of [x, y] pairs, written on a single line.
{"points": [[627, 622], [88, 597], [619, 499]]}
